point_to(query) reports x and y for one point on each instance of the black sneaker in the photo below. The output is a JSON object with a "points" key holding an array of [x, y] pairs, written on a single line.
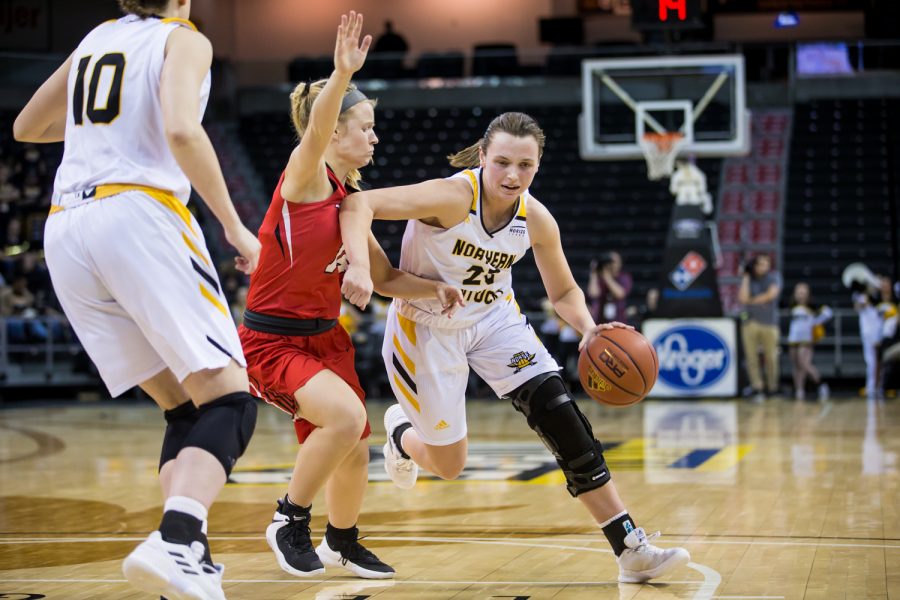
{"points": [[288, 537], [353, 556]]}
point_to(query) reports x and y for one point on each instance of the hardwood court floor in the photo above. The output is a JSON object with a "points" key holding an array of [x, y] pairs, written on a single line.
{"points": [[777, 500]]}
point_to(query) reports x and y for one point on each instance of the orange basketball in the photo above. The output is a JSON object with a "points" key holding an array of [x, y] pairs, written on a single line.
{"points": [[618, 367]]}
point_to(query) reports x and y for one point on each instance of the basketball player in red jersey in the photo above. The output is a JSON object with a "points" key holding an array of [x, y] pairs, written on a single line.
{"points": [[298, 360]]}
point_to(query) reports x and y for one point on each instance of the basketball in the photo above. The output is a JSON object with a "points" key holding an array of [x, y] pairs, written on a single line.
{"points": [[618, 367]]}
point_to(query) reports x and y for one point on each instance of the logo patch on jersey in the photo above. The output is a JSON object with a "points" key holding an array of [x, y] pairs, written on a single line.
{"points": [[442, 424], [339, 263], [520, 360], [688, 270], [517, 230]]}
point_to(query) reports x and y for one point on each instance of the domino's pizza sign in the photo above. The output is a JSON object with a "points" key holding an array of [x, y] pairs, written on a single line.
{"points": [[697, 357]]}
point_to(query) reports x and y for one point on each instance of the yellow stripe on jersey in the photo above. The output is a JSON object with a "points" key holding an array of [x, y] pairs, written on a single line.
{"points": [[404, 356], [408, 327], [194, 248], [55, 208], [211, 297], [521, 211], [474, 181], [184, 22], [406, 394]]}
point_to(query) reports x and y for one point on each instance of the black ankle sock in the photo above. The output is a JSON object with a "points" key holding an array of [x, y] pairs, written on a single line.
{"points": [[181, 528], [398, 435], [294, 510], [337, 536], [616, 531]]}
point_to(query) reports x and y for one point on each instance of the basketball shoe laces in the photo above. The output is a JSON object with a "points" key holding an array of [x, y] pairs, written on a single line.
{"points": [[356, 553], [646, 547], [299, 533]]}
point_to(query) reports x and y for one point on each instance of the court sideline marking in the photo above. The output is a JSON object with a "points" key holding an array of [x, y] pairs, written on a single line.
{"points": [[711, 578]]}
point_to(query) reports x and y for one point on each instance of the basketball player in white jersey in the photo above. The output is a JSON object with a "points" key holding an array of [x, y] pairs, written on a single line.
{"points": [[469, 230], [130, 265]]}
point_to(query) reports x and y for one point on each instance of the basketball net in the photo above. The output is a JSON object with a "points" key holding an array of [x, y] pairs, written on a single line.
{"points": [[660, 150]]}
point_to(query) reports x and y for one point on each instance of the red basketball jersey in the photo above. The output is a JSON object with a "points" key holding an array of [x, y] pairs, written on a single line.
{"points": [[302, 259]]}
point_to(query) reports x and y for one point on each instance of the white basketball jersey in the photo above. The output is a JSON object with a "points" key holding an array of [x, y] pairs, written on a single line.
{"points": [[114, 126], [468, 257]]}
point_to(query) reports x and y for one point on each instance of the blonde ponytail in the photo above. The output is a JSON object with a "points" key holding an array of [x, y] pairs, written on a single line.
{"points": [[468, 157]]}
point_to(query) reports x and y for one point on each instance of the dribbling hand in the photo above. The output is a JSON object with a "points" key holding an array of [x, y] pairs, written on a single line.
{"points": [[450, 298], [349, 54], [248, 248], [598, 328], [357, 286]]}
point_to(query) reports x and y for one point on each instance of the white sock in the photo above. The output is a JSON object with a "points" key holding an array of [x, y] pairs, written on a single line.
{"points": [[189, 506]]}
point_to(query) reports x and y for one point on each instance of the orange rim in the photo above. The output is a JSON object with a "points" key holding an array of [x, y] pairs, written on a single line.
{"points": [[664, 141]]}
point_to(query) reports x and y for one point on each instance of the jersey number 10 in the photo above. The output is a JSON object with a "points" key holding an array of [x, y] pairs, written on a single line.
{"points": [[106, 113]]}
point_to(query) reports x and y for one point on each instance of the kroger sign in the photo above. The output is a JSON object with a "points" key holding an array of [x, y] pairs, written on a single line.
{"points": [[692, 357]]}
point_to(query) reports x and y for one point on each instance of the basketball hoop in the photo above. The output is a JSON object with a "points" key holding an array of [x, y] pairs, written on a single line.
{"points": [[660, 150]]}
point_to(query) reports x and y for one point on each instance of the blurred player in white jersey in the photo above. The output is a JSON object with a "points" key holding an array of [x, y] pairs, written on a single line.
{"points": [[130, 265]]}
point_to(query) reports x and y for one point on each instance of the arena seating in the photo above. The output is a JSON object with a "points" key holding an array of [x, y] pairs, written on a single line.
{"points": [[843, 175]]}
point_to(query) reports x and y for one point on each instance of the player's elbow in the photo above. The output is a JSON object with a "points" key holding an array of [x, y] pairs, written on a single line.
{"points": [[182, 135], [23, 131]]}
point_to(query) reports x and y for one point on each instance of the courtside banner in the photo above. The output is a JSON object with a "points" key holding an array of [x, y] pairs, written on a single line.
{"points": [[697, 357]]}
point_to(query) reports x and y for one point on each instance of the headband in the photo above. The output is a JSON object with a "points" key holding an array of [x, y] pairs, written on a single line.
{"points": [[351, 99]]}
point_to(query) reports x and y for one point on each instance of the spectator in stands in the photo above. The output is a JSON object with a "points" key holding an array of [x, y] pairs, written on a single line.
{"points": [[639, 313], [9, 191], [390, 41], [759, 293], [608, 288], [806, 328], [15, 242], [550, 327], [239, 305], [17, 304]]}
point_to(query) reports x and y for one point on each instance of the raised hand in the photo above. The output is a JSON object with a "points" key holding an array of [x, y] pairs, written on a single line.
{"points": [[349, 53]]}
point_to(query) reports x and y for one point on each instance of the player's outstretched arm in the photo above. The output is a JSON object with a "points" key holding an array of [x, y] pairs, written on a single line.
{"points": [[395, 283], [188, 57], [307, 163], [443, 202], [562, 290], [43, 120]]}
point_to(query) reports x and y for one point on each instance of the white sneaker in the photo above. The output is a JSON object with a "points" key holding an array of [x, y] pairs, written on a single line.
{"points": [[402, 471], [824, 392], [175, 571], [643, 561]]}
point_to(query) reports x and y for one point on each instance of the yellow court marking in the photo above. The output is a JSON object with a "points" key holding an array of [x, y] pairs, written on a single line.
{"points": [[727, 458]]}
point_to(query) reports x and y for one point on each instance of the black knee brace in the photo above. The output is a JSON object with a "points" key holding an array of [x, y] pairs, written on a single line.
{"points": [[553, 415], [224, 427], [180, 420]]}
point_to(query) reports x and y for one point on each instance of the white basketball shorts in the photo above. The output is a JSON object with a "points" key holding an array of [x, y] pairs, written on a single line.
{"points": [[428, 367], [133, 275]]}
